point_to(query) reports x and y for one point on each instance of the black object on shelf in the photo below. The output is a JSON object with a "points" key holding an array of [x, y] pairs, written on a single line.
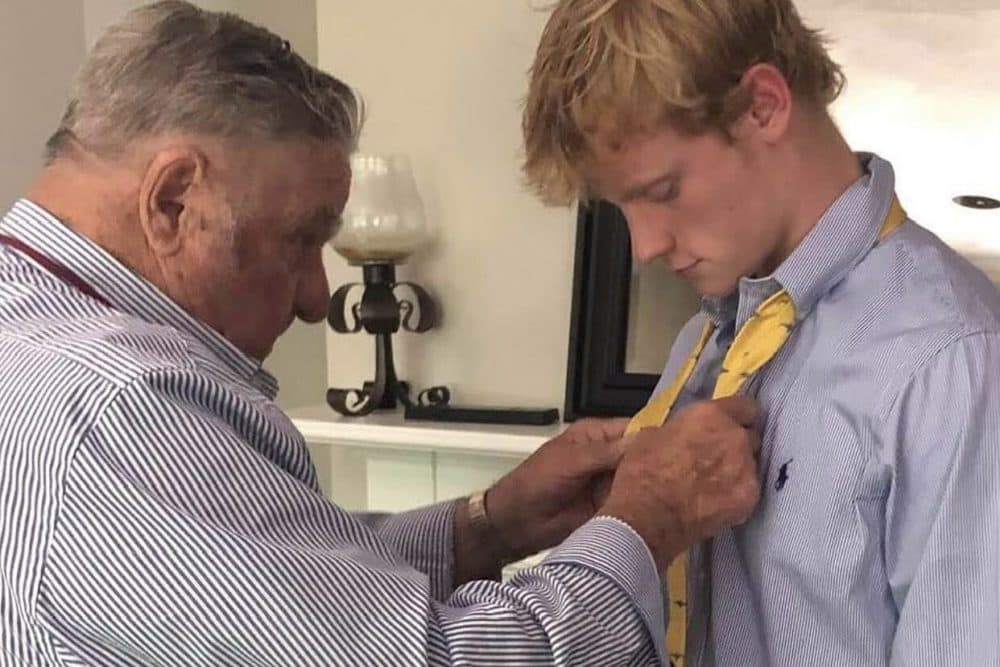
{"points": [[482, 415], [382, 313]]}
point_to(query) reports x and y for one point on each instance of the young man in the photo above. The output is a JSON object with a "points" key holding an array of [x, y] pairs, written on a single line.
{"points": [[872, 347]]}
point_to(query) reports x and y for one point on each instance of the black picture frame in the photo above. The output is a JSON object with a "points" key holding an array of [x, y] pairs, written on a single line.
{"points": [[597, 384]]}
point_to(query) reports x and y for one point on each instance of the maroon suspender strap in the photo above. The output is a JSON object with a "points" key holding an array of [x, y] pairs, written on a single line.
{"points": [[60, 271]]}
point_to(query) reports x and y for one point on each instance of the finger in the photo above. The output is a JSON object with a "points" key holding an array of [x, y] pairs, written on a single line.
{"points": [[742, 409], [601, 488], [747, 496], [754, 438], [604, 455], [598, 429], [613, 429]]}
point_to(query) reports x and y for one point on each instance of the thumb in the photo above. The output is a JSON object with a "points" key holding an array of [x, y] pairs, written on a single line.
{"points": [[601, 489], [742, 409]]}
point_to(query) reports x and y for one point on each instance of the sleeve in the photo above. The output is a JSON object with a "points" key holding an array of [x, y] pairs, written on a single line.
{"points": [[424, 539], [942, 546], [181, 542]]}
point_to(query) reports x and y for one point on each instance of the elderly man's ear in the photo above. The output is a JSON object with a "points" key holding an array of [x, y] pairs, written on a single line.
{"points": [[168, 198]]}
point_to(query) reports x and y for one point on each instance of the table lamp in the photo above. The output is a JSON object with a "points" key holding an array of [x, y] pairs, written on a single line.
{"points": [[382, 225]]}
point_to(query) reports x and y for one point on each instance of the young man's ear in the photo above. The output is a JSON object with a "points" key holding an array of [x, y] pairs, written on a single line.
{"points": [[166, 197], [770, 104]]}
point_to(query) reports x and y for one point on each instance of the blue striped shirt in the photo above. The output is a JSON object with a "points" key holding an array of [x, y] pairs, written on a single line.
{"points": [[877, 539], [157, 508]]}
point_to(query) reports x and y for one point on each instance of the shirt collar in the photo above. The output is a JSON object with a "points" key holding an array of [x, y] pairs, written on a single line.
{"points": [[124, 289], [834, 246]]}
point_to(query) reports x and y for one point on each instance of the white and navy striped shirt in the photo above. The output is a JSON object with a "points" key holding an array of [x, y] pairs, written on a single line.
{"points": [[157, 508], [877, 538]]}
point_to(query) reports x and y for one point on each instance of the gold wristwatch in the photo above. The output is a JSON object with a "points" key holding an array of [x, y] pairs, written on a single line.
{"points": [[479, 520]]}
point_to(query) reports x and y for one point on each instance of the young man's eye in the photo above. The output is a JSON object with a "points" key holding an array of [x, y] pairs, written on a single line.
{"points": [[663, 195]]}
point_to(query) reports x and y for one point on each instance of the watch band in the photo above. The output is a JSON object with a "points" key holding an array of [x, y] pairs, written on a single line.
{"points": [[479, 520]]}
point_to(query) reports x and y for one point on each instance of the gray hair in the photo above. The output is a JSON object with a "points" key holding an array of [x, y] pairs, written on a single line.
{"points": [[171, 66]]}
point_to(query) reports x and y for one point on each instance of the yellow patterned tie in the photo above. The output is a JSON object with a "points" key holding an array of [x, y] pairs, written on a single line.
{"points": [[756, 343]]}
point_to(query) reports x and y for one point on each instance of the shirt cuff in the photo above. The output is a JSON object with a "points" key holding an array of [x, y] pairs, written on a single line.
{"points": [[425, 538], [613, 548]]}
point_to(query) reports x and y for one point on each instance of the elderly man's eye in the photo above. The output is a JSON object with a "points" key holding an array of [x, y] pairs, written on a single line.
{"points": [[313, 238]]}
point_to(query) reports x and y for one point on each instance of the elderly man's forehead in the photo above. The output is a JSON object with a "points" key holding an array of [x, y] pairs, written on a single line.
{"points": [[310, 164], [332, 155]]}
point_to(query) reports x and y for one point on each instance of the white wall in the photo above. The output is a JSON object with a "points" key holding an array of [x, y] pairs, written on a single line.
{"points": [[443, 80], [922, 92], [293, 19], [41, 44]]}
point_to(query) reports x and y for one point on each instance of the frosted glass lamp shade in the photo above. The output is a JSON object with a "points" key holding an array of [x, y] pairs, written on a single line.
{"points": [[384, 220]]}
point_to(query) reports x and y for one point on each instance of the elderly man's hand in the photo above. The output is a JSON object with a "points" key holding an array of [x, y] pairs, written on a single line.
{"points": [[690, 478], [558, 488], [675, 485]]}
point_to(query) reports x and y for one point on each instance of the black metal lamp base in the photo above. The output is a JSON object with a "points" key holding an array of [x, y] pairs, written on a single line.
{"points": [[381, 313]]}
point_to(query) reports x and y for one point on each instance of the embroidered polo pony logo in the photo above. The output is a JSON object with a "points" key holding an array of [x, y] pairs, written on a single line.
{"points": [[779, 483]]}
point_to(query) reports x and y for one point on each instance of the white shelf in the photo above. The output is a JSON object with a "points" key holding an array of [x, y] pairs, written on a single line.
{"points": [[321, 425]]}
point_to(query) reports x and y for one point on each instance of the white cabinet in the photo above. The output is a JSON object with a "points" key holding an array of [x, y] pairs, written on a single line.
{"points": [[385, 463]]}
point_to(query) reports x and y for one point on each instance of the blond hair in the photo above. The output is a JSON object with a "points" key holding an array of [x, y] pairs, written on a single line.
{"points": [[626, 66], [170, 66]]}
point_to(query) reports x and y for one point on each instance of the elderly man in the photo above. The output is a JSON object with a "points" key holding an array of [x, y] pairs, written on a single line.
{"points": [[157, 508]]}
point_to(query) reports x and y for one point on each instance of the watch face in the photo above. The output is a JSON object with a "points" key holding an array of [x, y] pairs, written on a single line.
{"points": [[477, 508]]}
